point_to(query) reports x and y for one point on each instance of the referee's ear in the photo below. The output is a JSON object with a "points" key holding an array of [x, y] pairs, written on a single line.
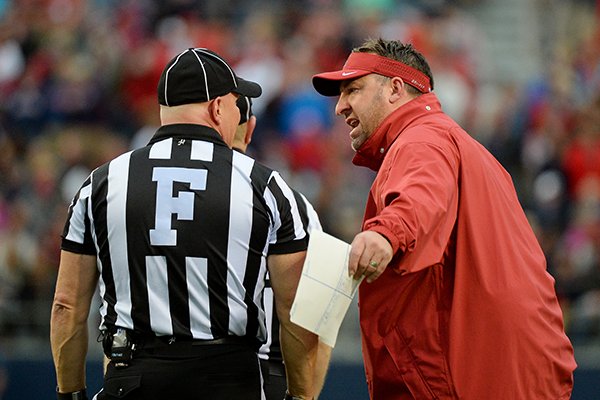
{"points": [[215, 110], [250, 126]]}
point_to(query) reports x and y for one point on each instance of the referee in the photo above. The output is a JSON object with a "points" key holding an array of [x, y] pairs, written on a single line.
{"points": [[180, 235], [271, 360]]}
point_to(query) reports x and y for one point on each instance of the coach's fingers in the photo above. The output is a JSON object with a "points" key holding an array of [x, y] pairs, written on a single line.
{"points": [[356, 251], [376, 268], [377, 255], [364, 267], [370, 254], [364, 250]]}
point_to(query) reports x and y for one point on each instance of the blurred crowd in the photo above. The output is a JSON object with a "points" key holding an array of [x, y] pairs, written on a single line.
{"points": [[78, 87]]}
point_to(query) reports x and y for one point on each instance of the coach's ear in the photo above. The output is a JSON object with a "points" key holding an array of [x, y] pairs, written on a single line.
{"points": [[398, 90]]}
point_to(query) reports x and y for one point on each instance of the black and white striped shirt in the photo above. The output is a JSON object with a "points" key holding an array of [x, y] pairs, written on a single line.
{"points": [[181, 229], [271, 350]]}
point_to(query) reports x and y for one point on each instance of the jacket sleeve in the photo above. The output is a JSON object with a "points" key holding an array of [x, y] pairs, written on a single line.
{"points": [[416, 198]]}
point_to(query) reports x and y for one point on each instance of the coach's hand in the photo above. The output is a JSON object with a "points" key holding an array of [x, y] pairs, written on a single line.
{"points": [[370, 254]]}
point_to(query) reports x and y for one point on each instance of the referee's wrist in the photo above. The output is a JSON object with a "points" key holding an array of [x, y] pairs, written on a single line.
{"points": [[78, 395], [288, 396]]}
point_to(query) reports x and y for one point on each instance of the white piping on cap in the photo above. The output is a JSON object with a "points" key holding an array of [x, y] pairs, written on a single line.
{"points": [[204, 71], [203, 50], [167, 76], [247, 100]]}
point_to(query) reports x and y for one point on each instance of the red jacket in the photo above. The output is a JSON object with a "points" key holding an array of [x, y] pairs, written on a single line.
{"points": [[466, 309]]}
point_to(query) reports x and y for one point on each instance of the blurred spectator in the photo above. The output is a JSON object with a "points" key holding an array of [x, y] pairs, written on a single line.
{"points": [[260, 58], [578, 267], [581, 156], [18, 259]]}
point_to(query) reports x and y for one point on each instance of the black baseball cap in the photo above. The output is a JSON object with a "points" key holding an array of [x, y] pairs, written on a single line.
{"points": [[245, 105], [197, 75]]}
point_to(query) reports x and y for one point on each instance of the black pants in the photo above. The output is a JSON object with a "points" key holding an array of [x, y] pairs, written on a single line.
{"points": [[184, 370], [274, 378]]}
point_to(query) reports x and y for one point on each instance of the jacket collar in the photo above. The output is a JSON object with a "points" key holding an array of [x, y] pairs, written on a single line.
{"points": [[374, 149]]}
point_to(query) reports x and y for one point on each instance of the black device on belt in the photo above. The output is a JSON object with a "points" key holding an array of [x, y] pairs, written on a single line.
{"points": [[119, 347], [122, 349]]}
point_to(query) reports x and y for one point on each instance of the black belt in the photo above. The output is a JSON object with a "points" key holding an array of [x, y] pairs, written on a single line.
{"points": [[147, 341], [159, 341], [136, 345]]}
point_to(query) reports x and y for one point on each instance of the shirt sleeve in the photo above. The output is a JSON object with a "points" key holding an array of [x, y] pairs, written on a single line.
{"points": [[310, 218], [417, 199], [287, 234], [77, 236]]}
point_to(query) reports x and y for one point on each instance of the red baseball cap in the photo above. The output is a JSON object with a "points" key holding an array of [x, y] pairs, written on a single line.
{"points": [[360, 64]]}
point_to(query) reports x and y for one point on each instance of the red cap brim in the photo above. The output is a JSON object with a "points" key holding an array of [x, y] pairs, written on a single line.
{"points": [[360, 64], [328, 83]]}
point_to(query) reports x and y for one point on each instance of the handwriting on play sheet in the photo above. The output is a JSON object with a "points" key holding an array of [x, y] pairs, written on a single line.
{"points": [[325, 290]]}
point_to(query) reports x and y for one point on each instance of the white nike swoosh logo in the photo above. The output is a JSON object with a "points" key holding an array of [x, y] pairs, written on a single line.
{"points": [[348, 73]]}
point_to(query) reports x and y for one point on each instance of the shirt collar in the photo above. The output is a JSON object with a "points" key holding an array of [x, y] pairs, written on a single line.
{"points": [[373, 150], [187, 131]]}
